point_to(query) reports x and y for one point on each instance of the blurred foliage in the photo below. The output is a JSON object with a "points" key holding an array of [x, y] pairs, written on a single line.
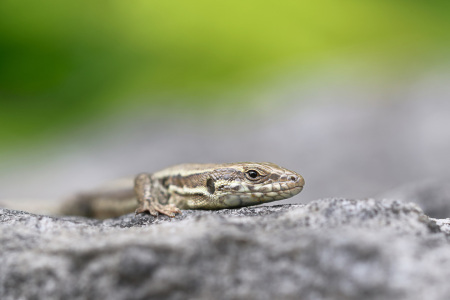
{"points": [[63, 63]]}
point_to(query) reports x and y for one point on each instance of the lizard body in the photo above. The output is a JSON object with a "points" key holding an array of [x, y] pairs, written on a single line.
{"points": [[192, 186]]}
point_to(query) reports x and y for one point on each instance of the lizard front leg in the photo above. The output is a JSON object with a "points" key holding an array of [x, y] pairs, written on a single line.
{"points": [[148, 202]]}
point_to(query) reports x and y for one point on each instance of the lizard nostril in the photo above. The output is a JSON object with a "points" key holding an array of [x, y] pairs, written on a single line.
{"points": [[293, 178]]}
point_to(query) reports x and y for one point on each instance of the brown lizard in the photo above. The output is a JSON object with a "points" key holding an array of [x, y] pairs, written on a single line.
{"points": [[191, 186]]}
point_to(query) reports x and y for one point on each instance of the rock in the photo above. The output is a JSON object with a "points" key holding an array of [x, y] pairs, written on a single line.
{"points": [[433, 196], [328, 249]]}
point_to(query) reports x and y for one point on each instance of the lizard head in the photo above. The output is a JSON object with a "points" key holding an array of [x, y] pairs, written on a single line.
{"points": [[248, 183]]}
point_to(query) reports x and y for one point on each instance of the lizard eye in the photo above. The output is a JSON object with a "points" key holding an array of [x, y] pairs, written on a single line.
{"points": [[252, 174]]}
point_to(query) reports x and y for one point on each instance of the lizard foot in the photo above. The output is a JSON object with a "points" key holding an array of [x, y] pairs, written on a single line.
{"points": [[155, 208]]}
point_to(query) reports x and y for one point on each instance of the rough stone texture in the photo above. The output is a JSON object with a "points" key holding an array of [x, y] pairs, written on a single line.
{"points": [[433, 196], [328, 249]]}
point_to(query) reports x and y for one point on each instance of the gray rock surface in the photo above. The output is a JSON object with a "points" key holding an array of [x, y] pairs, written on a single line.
{"points": [[433, 196], [328, 249]]}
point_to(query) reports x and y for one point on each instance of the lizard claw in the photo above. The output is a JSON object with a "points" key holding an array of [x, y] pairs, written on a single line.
{"points": [[155, 208]]}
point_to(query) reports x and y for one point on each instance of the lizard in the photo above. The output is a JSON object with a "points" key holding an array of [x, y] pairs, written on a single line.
{"points": [[191, 186]]}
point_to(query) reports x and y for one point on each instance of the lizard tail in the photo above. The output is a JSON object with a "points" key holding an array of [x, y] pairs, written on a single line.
{"points": [[101, 203]]}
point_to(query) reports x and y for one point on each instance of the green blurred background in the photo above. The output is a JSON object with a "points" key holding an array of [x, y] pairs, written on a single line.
{"points": [[67, 63]]}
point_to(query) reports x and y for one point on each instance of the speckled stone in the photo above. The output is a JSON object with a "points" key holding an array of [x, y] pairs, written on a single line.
{"points": [[327, 249]]}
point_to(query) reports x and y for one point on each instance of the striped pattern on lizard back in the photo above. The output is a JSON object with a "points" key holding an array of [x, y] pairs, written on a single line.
{"points": [[191, 186]]}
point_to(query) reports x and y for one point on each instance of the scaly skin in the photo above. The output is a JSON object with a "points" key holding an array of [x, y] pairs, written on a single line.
{"points": [[199, 186]]}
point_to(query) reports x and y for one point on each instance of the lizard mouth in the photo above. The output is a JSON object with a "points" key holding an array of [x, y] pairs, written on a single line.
{"points": [[239, 194], [291, 186], [253, 195]]}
